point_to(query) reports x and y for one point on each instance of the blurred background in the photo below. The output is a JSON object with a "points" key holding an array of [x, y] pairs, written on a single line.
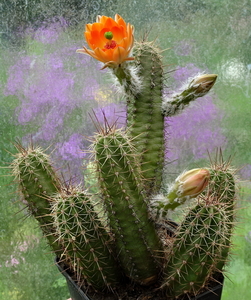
{"points": [[47, 93]]}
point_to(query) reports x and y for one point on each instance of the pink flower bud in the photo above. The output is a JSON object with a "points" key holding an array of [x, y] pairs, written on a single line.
{"points": [[193, 182], [202, 84]]}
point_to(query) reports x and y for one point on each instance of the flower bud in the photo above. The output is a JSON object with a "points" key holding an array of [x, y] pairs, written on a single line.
{"points": [[202, 84], [193, 182]]}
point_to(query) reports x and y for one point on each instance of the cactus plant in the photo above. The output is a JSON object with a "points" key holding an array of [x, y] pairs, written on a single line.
{"points": [[123, 243]]}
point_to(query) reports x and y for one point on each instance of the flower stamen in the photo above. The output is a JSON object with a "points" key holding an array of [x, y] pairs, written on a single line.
{"points": [[110, 45]]}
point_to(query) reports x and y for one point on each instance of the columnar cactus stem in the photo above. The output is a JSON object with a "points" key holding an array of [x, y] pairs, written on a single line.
{"points": [[144, 117], [222, 187], [37, 182], [202, 242], [85, 240], [121, 186], [196, 250]]}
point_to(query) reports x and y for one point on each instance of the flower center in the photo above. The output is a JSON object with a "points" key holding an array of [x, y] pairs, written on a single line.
{"points": [[111, 44], [108, 35]]}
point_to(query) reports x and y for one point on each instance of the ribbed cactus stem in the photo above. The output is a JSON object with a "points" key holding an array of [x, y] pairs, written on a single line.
{"points": [[222, 187], [201, 245], [84, 238], [196, 250], [37, 181], [145, 121], [122, 190], [127, 75]]}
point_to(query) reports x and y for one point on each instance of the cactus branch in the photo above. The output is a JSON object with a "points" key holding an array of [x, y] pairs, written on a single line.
{"points": [[87, 243], [123, 194], [37, 180], [198, 87]]}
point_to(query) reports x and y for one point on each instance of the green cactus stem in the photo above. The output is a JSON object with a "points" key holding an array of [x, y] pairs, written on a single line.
{"points": [[196, 250], [222, 186], [37, 181], [198, 87], [143, 87], [202, 242], [123, 194], [86, 242]]}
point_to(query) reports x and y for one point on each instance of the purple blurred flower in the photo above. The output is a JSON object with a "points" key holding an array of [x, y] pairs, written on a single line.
{"points": [[12, 262], [71, 152], [56, 90], [23, 247], [182, 74], [46, 85], [72, 148], [184, 48], [17, 75], [48, 32], [245, 172]]}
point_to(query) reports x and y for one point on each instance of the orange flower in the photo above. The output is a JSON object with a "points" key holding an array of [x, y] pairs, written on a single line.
{"points": [[110, 40]]}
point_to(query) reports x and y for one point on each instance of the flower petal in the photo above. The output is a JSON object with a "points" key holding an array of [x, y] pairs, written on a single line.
{"points": [[118, 34], [96, 27], [109, 23], [88, 27], [88, 38], [88, 52], [103, 56], [97, 40], [119, 55], [98, 18], [102, 19], [120, 20]]}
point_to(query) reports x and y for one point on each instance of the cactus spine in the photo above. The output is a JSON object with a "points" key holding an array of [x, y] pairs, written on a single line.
{"points": [[201, 245], [84, 239], [122, 191]]}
